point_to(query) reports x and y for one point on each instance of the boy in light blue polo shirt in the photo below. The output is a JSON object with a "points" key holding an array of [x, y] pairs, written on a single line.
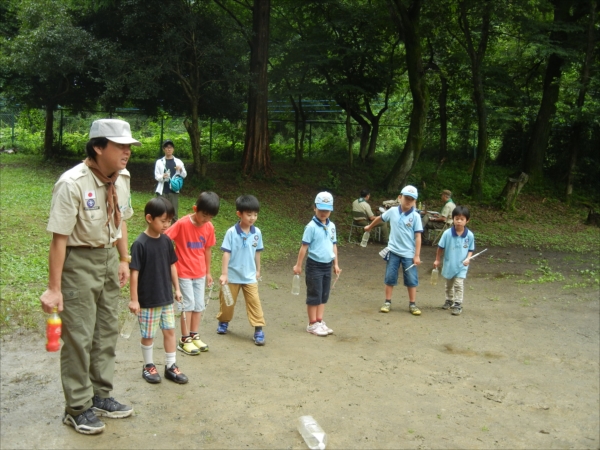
{"points": [[404, 245], [242, 247], [457, 245], [320, 242]]}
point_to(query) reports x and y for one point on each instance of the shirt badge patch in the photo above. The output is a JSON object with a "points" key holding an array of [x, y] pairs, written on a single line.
{"points": [[90, 195], [90, 203]]}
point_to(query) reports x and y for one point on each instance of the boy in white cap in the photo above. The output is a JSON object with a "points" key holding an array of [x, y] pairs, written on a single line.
{"points": [[88, 264], [319, 241], [405, 247]]}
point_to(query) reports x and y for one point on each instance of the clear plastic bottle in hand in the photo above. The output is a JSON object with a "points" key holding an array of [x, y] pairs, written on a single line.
{"points": [[313, 434], [128, 325], [434, 276], [365, 239], [296, 285], [227, 295]]}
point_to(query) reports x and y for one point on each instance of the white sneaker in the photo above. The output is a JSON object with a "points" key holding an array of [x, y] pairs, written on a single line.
{"points": [[326, 328], [317, 329]]}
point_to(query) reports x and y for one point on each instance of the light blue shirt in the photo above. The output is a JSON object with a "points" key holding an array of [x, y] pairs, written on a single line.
{"points": [[320, 239], [404, 226], [456, 248], [242, 247]]}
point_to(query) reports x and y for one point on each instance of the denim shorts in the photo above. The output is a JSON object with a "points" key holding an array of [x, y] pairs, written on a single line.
{"points": [[318, 282], [149, 318], [411, 277], [192, 291]]}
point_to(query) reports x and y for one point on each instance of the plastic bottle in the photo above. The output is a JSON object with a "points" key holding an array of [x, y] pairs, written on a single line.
{"points": [[365, 239], [313, 434], [128, 325], [420, 207], [53, 331], [227, 295], [434, 276], [296, 285]]}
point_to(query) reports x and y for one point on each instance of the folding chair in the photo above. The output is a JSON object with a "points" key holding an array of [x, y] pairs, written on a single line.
{"points": [[375, 233], [438, 233]]}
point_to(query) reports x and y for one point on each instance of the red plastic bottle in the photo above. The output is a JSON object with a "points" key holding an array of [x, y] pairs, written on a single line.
{"points": [[53, 331]]}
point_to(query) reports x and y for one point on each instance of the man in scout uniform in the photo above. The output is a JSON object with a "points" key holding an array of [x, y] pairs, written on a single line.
{"points": [[362, 214], [88, 264]]}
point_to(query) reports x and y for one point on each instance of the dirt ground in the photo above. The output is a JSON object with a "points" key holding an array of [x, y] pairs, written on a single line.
{"points": [[518, 369]]}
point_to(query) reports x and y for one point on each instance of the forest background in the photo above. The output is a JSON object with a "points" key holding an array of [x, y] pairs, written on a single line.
{"points": [[489, 99]]}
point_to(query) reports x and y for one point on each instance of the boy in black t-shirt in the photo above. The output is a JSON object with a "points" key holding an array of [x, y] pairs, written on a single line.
{"points": [[152, 273]]}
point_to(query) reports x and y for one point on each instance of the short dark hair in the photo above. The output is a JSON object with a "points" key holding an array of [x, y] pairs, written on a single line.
{"points": [[461, 211], [101, 142], [364, 193], [208, 202], [247, 203], [168, 142], [159, 206]]}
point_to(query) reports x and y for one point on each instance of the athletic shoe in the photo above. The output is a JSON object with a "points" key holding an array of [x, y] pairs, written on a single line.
{"points": [[150, 374], [109, 407], [326, 328], [448, 304], [386, 307], [188, 347], [86, 423], [414, 310], [316, 329], [222, 328], [174, 374], [259, 337], [456, 309], [198, 343]]}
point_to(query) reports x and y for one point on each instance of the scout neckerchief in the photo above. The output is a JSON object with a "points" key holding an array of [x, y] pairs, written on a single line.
{"points": [[111, 192], [318, 222]]}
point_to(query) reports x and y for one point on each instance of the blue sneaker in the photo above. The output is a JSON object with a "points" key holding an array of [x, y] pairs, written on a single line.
{"points": [[259, 337], [222, 328]]}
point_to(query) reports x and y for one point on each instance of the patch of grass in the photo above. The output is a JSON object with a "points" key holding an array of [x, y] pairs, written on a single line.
{"points": [[590, 278], [547, 275]]}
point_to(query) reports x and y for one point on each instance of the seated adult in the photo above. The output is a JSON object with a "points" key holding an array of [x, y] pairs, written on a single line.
{"points": [[436, 221], [362, 215]]}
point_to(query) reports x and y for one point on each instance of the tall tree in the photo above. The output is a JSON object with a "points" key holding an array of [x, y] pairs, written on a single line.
{"points": [[406, 19]]}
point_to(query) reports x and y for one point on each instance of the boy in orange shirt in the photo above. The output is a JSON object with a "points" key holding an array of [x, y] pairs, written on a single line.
{"points": [[194, 235]]}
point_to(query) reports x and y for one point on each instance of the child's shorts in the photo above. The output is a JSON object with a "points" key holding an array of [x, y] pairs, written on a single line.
{"points": [[318, 282], [149, 318], [192, 291], [411, 277]]}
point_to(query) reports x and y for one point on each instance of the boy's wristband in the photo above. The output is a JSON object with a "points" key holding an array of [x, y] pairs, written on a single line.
{"points": [[126, 259]]}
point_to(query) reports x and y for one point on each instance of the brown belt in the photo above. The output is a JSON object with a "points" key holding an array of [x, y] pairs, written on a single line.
{"points": [[94, 248]]}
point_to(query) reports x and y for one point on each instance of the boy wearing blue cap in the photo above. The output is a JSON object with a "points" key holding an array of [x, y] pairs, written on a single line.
{"points": [[404, 245], [319, 241]]}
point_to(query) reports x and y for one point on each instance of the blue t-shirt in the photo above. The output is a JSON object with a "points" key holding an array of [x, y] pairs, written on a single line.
{"points": [[243, 248], [456, 248], [320, 240], [403, 228]]}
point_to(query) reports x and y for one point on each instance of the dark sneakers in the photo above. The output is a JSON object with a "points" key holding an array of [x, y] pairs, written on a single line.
{"points": [[109, 407], [174, 374], [85, 423], [150, 374]]}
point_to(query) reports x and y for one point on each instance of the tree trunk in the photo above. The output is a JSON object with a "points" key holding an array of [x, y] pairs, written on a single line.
{"points": [[49, 131], [577, 128], [443, 100], [538, 142], [407, 24], [512, 189], [191, 125], [350, 138], [257, 152], [373, 138]]}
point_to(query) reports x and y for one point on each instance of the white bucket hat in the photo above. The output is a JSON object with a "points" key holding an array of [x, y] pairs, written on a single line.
{"points": [[114, 130]]}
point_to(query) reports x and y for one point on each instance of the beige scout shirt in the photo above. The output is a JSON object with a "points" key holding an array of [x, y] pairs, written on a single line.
{"points": [[79, 208], [361, 210], [447, 211]]}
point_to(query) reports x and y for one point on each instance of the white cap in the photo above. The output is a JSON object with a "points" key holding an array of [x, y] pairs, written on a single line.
{"points": [[114, 130], [324, 201], [411, 191]]}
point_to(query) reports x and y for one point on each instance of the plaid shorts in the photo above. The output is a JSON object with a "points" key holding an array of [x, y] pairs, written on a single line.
{"points": [[149, 318]]}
